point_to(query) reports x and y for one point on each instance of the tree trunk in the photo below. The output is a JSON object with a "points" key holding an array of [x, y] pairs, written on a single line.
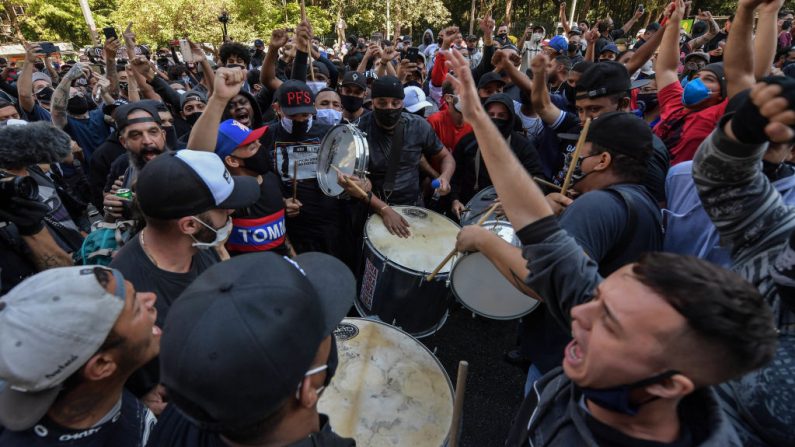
{"points": [[12, 18], [507, 19]]}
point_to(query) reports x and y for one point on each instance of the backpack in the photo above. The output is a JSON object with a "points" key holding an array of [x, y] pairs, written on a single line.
{"points": [[105, 239]]}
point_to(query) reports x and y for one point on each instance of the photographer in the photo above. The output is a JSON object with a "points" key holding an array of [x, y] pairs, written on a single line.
{"points": [[37, 231]]}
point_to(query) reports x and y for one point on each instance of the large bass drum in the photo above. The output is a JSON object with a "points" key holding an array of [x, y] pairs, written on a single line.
{"points": [[393, 286], [389, 390], [344, 146], [481, 288]]}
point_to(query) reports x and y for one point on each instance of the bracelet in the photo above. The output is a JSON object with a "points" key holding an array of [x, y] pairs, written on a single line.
{"points": [[382, 209]]}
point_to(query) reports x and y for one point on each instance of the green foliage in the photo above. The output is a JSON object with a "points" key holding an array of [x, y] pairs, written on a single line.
{"points": [[61, 20]]}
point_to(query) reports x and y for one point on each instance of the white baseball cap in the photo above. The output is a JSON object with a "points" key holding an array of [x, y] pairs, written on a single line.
{"points": [[415, 99]]}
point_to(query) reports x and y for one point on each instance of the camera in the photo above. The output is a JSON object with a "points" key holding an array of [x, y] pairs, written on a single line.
{"points": [[23, 187], [224, 17]]}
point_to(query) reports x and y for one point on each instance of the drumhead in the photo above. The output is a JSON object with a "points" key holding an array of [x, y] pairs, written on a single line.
{"points": [[388, 390], [344, 146], [478, 205], [481, 288], [432, 237]]}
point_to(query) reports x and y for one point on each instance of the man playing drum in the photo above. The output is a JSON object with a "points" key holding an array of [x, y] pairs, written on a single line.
{"points": [[649, 339]]}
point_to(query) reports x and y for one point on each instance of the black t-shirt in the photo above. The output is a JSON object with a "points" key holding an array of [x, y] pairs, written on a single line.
{"points": [[174, 430], [318, 224], [606, 435], [129, 425], [101, 160], [418, 139], [464, 185], [261, 226]]}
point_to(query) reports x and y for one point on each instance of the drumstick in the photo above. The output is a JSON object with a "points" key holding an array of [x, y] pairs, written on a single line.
{"points": [[454, 251], [546, 183], [348, 182], [295, 180], [458, 405], [577, 150], [308, 44]]}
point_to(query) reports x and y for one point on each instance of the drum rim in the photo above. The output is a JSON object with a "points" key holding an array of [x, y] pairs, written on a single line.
{"points": [[482, 191], [374, 317], [439, 276], [479, 312], [362, 156], [433, 356]]}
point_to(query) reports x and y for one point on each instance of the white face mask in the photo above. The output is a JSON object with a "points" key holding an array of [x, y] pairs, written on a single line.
{"points": [[537, 37], [221, 235], [328, 116], [287, 124], [316, 86]]}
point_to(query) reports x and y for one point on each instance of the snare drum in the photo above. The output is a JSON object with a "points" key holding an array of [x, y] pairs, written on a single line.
{"points": [[481, 288], [393, 285], [389, 390], [479, 204], [344, 146]]}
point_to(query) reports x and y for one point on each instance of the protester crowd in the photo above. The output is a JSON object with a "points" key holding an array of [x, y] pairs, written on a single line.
{"points": [[173, 271]]}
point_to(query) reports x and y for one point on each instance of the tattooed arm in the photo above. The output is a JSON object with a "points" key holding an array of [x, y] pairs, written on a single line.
{"points": [[45, 253], [61, 95]]}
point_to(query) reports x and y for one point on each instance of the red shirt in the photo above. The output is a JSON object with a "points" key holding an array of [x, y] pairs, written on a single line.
{"points": [[681, 129], [444, 127]]}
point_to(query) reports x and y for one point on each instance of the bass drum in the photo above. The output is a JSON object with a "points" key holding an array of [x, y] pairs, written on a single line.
{"points": [[393, 286], [481, 288], [389, 390], [479, 204], [344, 146]]}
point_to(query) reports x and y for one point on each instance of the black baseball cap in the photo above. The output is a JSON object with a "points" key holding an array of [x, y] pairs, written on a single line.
{"points": [[121, 113], [238, 341], [488, 78], [354, 78], [186, 183], [295, 97], [388, 87], [623, 132], [605, 78], [192, 95]]}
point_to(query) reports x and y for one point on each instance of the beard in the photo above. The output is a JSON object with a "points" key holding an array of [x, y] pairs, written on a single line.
{"points": [[140, 159]]}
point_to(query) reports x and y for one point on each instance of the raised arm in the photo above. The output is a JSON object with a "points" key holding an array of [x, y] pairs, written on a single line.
{"points": [[737, 61], [668, 56], [135, 71], [644, 53], [268, 71], [766, 38], [519, 79], [542, 103], [631, 22], [563, 20], [200, 58], [61, 95], [132, 85], [204, 134], [110, 48], [712, 31], [25, 79], [590, 51]]}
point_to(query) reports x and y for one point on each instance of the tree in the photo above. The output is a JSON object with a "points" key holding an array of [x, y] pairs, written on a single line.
{"points": [[61, 20]]}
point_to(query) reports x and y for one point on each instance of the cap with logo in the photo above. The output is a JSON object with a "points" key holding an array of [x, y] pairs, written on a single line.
{"points": [[699, 54], [414, 99], [610, 47], [605, 78], [490, 77], [558, 43], [233, 134], [51, 324], [354, 79], [186, 183], [192, 95], [238, 340], [388, 87], [295, 97], [121, 114], [636, 137]]}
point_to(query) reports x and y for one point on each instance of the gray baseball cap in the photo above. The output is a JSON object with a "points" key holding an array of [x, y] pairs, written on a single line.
{"points": [[50, 326]]}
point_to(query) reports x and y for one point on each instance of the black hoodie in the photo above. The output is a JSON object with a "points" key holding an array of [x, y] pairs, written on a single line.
{"points": [[463, 184]]}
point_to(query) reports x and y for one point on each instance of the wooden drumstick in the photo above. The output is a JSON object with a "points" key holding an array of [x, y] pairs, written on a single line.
{"points": [[454, 251], [458, 405], [576, 157], [546, 183], [308, 44], [295, 179], [349, 182]]}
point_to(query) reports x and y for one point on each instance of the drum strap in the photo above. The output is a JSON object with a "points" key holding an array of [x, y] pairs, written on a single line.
{"points": [[629, 230], [394, 159]]}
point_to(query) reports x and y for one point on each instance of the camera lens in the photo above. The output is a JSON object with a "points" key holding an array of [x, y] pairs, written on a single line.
{"points": [[26, 188]]}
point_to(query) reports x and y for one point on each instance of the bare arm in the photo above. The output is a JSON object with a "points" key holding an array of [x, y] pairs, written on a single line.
{"points": [[45, 252], [61, 95], [766, 38], [631, 22], [268, 71], [644, 53], [738, 66], [111, 45], [504, 256], [51, 70], [132, 86], [563, 20], [204, 134], [25, 79], [542, 103], [668, 56], [590, 51], [713, 30]]}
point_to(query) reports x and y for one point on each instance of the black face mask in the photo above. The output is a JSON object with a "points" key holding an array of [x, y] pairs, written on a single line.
{"points": [[162, 61], [570, 93], [77, 105], [387, 118], [502, 38], [616, 399], [351, 103], [574, 48], [300, 128], [649, 99], [45, 94], [192, 118], [39, 66], [427, 40], [504, 126], [124, 86], [257, 163], [171, 137]]}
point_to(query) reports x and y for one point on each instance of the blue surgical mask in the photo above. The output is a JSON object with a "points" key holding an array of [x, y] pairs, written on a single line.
{"points": [[616, 398], [695, 91], [316, 86], [328, 116]]}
